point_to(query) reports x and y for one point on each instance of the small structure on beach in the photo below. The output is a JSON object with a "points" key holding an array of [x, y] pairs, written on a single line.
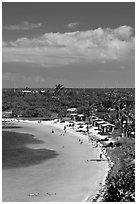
{"points": [[81, 117], [72, 110], [100, 123], [107, 127], [95, 121], [73, 116], [72, 113], [7, 114], [26, 91], [77, 117]]}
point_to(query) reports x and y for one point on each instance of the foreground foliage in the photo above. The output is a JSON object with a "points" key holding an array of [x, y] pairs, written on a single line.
{"points": [[121, 188], [121, 180]]}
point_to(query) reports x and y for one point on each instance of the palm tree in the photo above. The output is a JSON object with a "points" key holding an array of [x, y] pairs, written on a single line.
{"points": [[88, 113], [57, 90]]}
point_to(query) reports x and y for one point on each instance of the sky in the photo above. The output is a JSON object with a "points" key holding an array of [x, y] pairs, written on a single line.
{"points": [[77, 44]]}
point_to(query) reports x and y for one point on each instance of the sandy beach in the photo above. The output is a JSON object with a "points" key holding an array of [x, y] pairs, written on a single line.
{"points": [[66, 178]]}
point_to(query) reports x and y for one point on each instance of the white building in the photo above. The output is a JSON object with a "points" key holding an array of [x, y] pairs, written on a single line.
{"points": [[26, 91]]}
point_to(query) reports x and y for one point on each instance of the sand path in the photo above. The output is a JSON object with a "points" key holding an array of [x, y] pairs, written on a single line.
{"points": [[68, 177]]}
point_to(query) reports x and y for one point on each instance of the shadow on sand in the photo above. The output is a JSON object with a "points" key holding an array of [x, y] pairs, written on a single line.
{"points": [[10, 127], [96, 160]]}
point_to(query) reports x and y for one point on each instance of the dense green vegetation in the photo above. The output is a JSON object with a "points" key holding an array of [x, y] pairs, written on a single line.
{"points": [[121, 180], [59, 99], [121, 188]]}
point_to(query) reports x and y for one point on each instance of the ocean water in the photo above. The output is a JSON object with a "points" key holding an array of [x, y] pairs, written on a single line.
{"points": [[16, 154]]}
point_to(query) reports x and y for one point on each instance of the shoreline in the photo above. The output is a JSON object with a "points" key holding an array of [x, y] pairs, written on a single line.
{"points": [[100, 192], [101, 187]]}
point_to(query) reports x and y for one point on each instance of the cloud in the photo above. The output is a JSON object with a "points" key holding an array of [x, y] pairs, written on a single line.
{"points": [[25, 25], [73, 25], [16, 77], [59, 49]]}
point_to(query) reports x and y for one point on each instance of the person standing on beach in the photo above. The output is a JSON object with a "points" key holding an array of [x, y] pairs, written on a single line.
{"points": [[96, 144], [73, 126], [100, 156], [65, 129]]}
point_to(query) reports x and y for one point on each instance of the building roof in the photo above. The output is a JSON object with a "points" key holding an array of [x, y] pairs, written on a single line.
{"points": [[74, 114], [26, 91], [100, 122], [107, 124], [7, 111], [97, 119], [71, 109], [79, 123], [80, 115]]}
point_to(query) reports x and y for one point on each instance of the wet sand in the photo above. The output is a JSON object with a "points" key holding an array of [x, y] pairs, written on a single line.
{"points": [[66, 178]]}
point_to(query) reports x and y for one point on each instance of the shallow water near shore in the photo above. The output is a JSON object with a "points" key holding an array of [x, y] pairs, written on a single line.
{"points": [[68, 177], [15, 154]]}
